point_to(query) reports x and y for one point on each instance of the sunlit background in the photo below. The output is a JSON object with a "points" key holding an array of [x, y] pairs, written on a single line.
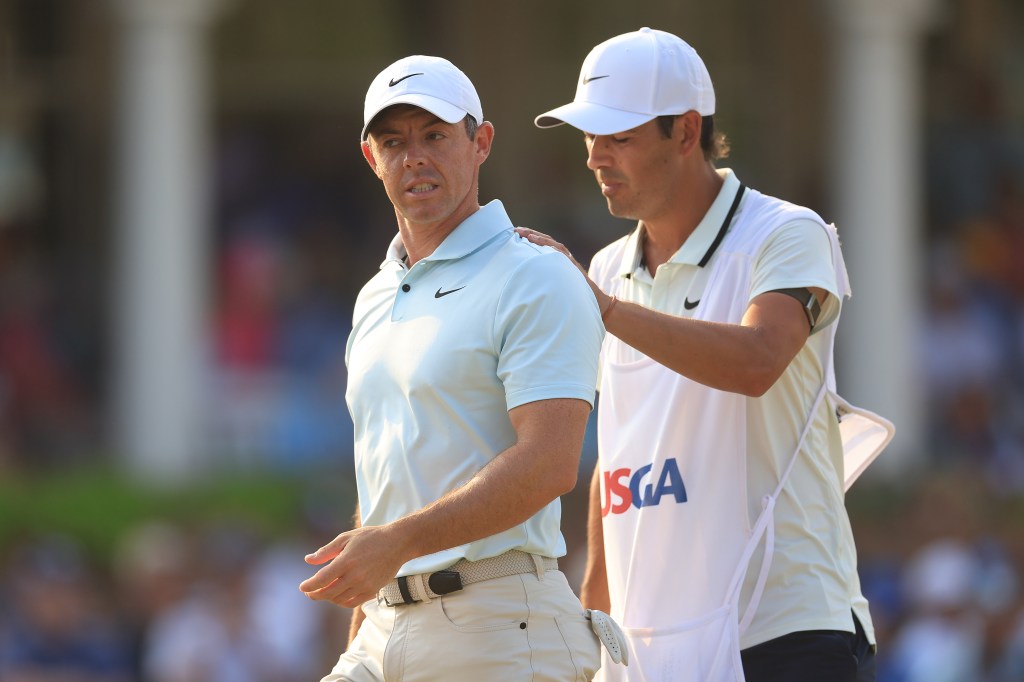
{"points": [[185, 219]]}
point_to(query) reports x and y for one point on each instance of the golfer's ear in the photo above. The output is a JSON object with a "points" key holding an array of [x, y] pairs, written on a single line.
{"points": [[484, 139], [370, 158]]}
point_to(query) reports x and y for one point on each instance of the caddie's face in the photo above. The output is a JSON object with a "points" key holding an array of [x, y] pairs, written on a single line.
{"points": [[637, 170], [430, 168]]}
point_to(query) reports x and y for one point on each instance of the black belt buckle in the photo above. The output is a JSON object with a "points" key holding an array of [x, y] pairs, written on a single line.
{"points": [[445, 582], [440, 583]]}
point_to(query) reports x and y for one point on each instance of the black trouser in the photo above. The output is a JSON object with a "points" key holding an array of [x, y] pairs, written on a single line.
{"points": [[826, 655]]}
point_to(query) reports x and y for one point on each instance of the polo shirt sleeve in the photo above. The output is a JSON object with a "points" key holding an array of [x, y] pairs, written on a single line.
{"points": [[798, 254], [548, 332]]}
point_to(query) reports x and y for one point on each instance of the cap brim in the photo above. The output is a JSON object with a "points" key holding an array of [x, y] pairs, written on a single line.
{"points": [[449, 113], [592, 118]]}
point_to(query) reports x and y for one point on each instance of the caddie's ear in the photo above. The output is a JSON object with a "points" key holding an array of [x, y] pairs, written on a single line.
{"points": [[370, 158], [686, 128]]}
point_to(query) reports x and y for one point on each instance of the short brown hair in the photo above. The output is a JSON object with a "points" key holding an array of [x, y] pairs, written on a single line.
{"points": [[712, 142]]}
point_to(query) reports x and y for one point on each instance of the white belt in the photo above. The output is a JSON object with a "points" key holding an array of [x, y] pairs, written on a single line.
{"points": [[410, 589]]}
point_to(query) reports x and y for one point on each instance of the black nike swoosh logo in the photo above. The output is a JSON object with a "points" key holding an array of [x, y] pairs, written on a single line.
{"points": [[690, 305], [440, 293], [593, 78], [395, 81]]}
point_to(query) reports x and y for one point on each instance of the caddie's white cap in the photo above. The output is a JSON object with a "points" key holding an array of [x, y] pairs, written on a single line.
{"points": [[632, 78], [431, 83]]}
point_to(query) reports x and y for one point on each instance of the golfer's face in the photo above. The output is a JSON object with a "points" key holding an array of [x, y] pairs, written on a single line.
{"points": [[429, 168]]}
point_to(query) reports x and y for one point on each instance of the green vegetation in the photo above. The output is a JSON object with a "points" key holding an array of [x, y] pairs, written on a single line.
{"points": [[97, 507]]}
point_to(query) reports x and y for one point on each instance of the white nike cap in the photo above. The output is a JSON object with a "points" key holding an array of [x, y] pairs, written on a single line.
{"points": [[633, 78], [431, 83]]}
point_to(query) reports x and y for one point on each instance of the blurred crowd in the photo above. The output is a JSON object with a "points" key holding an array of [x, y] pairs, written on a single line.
{"points": [[942, 571], [972, 343], [278, 313], [218, 603], [284, 286]]}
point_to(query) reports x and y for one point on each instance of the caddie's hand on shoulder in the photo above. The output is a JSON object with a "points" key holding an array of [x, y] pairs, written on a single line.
{"points": [[541, 239]]}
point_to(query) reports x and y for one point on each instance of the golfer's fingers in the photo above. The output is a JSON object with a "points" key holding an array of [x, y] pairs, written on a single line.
{"points": [[328, 551]]}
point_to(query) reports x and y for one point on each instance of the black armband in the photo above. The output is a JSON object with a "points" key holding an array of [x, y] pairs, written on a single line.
{"points": [[808, 300]]}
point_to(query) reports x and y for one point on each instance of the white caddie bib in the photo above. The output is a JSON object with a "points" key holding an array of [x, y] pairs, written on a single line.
{"points": [[677, 535]]}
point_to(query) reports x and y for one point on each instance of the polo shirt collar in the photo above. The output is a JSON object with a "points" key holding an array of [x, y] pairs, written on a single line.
{"points": [[699, 243], [633, 253], [470, 235]]}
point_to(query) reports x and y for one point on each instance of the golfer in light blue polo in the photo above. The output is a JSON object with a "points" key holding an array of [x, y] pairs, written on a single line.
{"points": [[472, 371]]}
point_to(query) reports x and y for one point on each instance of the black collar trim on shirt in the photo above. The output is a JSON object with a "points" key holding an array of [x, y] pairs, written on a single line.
{"points": [[723, 229], [718, 237]]}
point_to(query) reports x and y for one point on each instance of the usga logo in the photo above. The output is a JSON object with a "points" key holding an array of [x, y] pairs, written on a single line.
{"points": [[636, 489]]}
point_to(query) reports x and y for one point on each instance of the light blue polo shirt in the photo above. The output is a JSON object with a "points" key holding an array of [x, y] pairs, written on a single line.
{"points": [[441, 351]]}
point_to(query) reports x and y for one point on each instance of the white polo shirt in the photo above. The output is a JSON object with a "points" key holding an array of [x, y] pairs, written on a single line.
{"points": [[797, 256], [438, 355], [813, 581]]}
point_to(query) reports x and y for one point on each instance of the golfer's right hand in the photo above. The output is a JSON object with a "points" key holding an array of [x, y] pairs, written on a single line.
{"points": [[358, 564]]}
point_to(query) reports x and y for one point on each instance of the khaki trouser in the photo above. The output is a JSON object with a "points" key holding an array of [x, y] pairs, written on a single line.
{"points": [[514, 628]]}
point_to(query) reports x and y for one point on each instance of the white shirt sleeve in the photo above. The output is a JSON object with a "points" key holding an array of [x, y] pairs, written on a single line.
{"points": [[798, 254]]}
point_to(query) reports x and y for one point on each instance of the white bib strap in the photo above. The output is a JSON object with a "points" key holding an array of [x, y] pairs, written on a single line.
{"points": [[765, 526]]}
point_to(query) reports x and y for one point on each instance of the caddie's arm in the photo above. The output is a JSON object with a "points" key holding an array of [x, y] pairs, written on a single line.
{"points": [[541, 466], [594, 590], [745, 358]]}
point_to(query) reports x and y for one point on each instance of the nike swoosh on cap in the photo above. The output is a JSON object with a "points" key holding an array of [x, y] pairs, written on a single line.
{"points": [[587, 79], [440, 293], [690, 305], [395, 81]]}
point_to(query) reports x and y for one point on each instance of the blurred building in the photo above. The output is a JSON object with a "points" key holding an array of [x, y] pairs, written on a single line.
{"points": [[185, 217]]}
